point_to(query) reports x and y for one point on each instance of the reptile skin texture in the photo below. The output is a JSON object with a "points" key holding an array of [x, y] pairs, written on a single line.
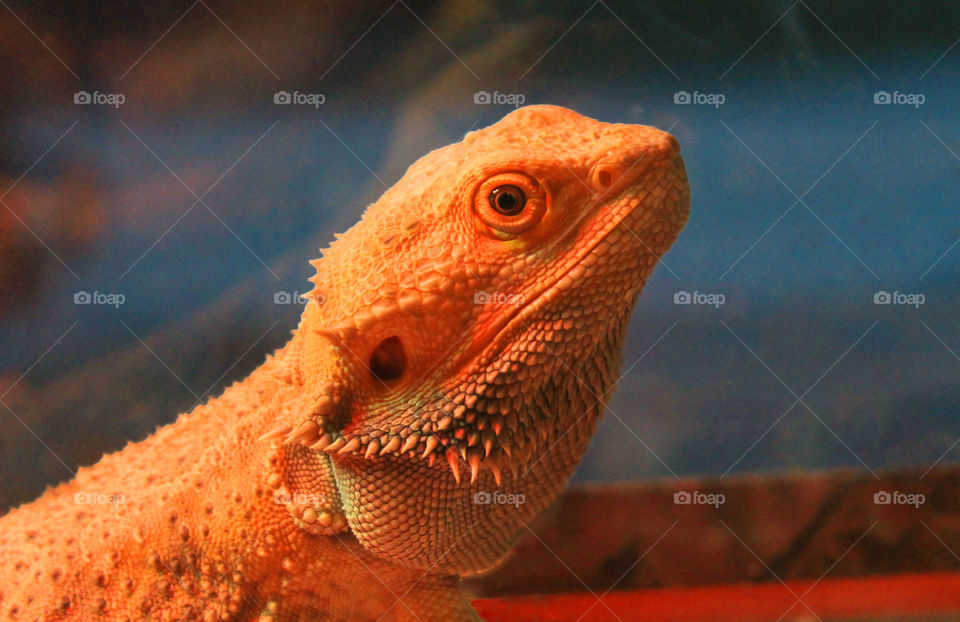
{"points": [[442, 385]]}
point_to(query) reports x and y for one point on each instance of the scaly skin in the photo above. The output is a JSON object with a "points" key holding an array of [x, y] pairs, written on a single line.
{"points": [[447, 350]]}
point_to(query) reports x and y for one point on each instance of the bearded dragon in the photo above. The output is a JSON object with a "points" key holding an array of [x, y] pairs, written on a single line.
{"points": [[455, 351]]}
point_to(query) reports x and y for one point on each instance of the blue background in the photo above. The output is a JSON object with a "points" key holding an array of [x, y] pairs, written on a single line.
{"points": [[808, 198]]}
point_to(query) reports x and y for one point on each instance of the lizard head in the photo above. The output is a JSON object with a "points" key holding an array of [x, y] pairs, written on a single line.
{"points": [[461, 338]]}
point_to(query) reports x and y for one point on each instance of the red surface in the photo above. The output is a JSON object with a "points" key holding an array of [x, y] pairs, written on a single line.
{"points": [[838, 599]]}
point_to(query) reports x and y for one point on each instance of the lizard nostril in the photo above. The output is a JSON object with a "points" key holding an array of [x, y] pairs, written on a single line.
{"points": [[388, 360]]}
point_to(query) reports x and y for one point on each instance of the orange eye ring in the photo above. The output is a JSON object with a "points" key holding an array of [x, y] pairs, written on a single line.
{"points": [[510, 203]]}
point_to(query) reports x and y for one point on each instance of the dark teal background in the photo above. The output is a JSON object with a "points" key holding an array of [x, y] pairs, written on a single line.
{"points": [[705, 391]]}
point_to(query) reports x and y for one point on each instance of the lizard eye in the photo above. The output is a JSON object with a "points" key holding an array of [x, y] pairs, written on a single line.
{"points": [[507, 200], [509, 203]]}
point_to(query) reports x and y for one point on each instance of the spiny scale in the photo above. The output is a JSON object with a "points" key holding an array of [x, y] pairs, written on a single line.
{"points": [[392, 446], [495, 469], [474, 460], [432, 442], [277, 432], [351, 446], [454, 461], [410, 443], [322, 443], [336, 445], [306, 432]]}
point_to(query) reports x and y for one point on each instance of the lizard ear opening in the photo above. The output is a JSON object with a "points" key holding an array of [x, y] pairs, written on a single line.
{"points": [[388, 361]]}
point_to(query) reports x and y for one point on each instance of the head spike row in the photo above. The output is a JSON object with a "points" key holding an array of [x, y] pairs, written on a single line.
{"points": [[479, 450]]}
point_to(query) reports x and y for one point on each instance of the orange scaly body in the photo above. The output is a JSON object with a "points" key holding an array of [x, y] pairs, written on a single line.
{"points": [[468, 327]]}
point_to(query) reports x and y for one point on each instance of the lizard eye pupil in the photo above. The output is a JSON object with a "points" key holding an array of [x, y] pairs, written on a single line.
{"points": [[509, 203], [507, 200]]}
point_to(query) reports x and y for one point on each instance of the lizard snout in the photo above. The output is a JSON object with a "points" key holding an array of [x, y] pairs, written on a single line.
{"points": [[621, 167], [668, 145]]}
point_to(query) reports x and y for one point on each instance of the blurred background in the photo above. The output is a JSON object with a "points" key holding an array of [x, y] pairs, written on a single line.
{"points": [[167, 169]]}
